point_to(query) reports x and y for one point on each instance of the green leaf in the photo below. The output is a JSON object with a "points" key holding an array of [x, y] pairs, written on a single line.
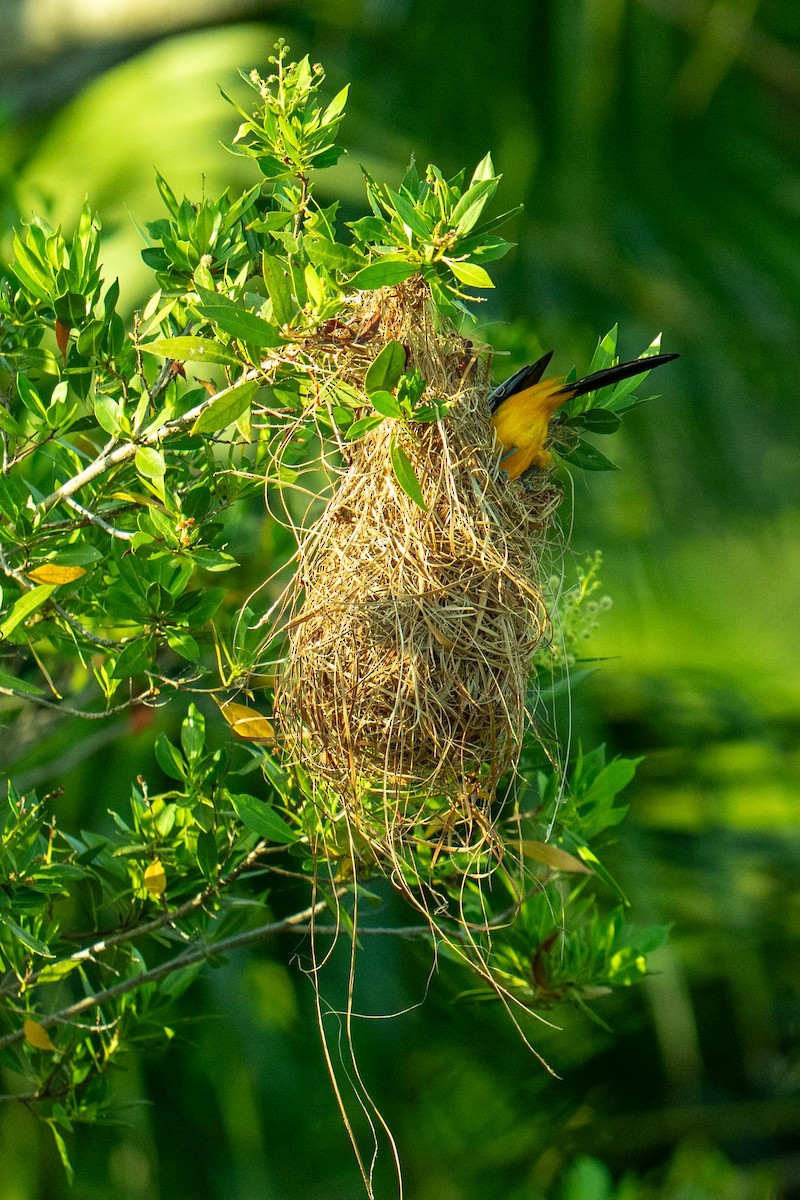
{"points": [[383, 274], [169, 758], [193, 733], [134, 659], [605, 352], [589, 458], [191, 349], [333, 255], [409, 215], [405, 475], [262, 819], [600, 420], [55, 972], [63, 1153], [70, 308], [150, 462], [280, 293], [369, 229], [385, 369], [470, 273], [184, 644], [466, 213], [336, 106], [484, 170], [362, 426], [237, 321], [385, 404], [25, 605], [19, 686], [28, 940], [30, 273], [227, 406]]}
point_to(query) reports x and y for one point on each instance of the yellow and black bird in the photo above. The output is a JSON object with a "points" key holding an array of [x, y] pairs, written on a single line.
{"points": [[523, 405]]}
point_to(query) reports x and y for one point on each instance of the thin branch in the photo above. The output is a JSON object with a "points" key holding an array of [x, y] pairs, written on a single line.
{"points": [[88, 953], [188, 959], [93, 518], [123, 453]]}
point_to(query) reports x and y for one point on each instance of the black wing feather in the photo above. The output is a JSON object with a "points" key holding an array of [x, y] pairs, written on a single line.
{"points": [[521, 379]]}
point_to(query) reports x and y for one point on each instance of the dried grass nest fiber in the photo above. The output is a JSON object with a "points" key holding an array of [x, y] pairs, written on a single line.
{"points": [[411, 633]]}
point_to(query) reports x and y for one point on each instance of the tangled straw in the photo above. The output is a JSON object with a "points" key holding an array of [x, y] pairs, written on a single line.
{"points": [[412, 632]]}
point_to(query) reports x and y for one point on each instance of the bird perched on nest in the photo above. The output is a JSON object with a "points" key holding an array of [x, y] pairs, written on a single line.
{"points": [[523, 405]]}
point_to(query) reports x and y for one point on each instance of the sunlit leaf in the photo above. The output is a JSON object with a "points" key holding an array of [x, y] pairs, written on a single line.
{"points": [[191, 349], [247, 723], [227, 406], [25, 607], [383, 274], [555, 857], [36, 1035], [51, 572], [155, 879], [470, 273]]}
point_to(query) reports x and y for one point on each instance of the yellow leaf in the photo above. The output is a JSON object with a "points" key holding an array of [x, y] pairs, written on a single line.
{"points": [[36, 1035], [51, 572], [247, 722], [155, 879], [554, 857], [137, 498]]}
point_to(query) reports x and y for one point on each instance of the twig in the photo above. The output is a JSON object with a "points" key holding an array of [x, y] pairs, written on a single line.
{"points": [[94, 519], [87, 953], [127, 450], [188, 959]]}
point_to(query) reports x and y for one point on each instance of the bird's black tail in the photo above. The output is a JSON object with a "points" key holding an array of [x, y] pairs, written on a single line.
{"points": [[611, 375]]}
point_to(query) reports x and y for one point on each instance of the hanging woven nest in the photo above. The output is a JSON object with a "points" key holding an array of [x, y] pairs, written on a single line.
{"points": [[411, 632]]}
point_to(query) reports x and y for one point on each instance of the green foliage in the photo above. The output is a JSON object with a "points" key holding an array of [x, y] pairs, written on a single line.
{"points": [[598, 412], [120, 465]]}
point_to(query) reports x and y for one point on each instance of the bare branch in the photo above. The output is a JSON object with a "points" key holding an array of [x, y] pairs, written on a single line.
{"points": [[188, 958], [127, 450]]}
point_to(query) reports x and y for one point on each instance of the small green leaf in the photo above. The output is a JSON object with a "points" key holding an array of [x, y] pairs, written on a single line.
{"points": [[184, 644], [134, 658], [28, 940], [333, 255], [226, 407], [385, 404], [150, 462], [55, 972], [280, 293], [169, 758], [484, 170], [191, 349], [383, 274], [589, 458], [362, 426], [19, 686], [466, 213], [63, 1154], [236, 320], [259, 816], [385, 370], [409, 215], [470, 274], [193, 733], [600, 420], [405, 475], [25, 605]]}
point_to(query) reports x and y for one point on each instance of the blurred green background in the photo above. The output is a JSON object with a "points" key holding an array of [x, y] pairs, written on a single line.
{"points": [[655, 145]]}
